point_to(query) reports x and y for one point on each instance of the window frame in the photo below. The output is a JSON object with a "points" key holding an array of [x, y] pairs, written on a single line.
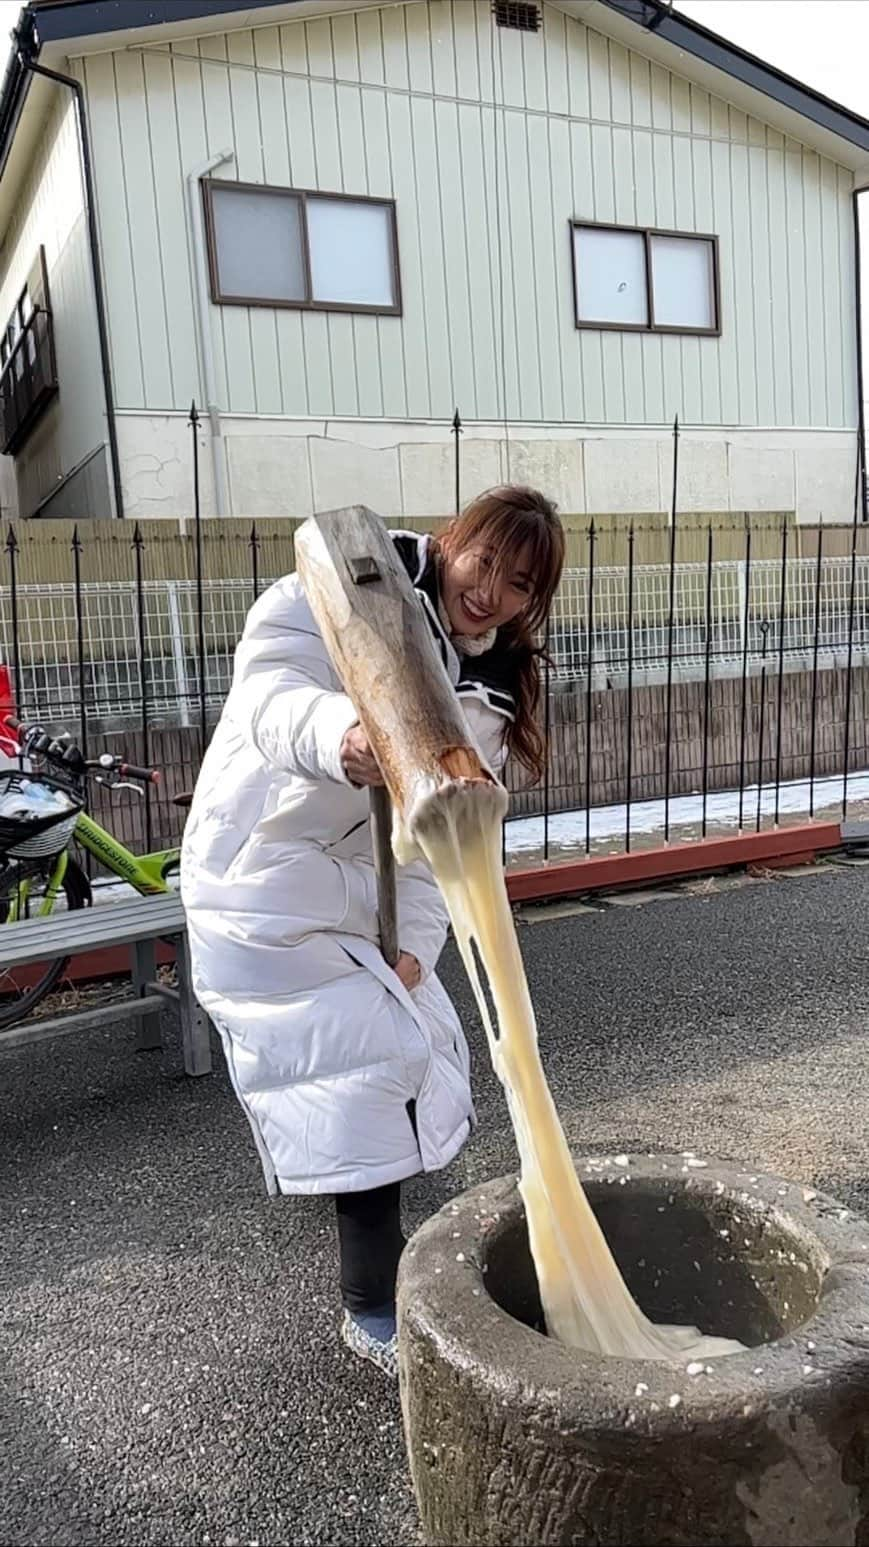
{"points": [[647, 233], [23, 346], [16, 322], [209, 184]]}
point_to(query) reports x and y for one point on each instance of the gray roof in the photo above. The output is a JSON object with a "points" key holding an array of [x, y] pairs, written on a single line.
{"points": [[53, 21], [691, 37]]}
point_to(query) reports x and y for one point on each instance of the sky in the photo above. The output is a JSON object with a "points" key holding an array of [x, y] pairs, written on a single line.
{"points": [[9, 10], [824, 43]]}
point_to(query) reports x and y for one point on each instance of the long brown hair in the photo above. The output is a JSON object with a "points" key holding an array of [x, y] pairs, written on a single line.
{"points": [[511, 520]]}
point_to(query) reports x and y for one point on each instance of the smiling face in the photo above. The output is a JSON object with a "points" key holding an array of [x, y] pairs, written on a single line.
{"points": [[480, 593], [500, 562]]}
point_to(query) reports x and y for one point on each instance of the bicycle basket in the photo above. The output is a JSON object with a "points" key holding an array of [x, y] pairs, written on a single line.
{"points": [[37, 816]]}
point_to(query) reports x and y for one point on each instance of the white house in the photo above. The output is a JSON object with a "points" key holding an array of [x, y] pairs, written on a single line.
{"points": [[332, 224]]}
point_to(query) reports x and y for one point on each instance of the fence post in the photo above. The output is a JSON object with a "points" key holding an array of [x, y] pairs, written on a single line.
{"points": [[200, 611], [668, 717], [547, 709], [849, 668], [589, 668], [746, 623], [764, 630], [138, 546], [456, 432], [179, 652], [814, 709], [782, 626], [12, 551], [629, 733], [253, 544], [742, 579], [707, 678], [79, 625]]}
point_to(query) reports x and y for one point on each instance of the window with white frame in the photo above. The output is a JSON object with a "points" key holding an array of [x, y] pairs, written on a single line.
{"points": [[644, 280], [293, 247]]}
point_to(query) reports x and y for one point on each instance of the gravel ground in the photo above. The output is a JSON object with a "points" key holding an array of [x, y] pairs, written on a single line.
{"points": [[169, 1367]]}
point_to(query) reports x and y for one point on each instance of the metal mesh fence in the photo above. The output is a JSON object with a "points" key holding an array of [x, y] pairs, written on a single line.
{"points": [[751, 613], [755, 613]]}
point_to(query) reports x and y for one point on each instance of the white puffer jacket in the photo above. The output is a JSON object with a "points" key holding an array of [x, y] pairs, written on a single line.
{"points": [[349, 1081]]}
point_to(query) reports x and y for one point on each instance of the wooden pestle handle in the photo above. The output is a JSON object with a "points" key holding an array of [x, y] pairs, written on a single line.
{"points": [[384, 868]]}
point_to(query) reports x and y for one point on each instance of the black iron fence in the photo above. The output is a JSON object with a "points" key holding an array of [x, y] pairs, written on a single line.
{"points": [[680, 699]]}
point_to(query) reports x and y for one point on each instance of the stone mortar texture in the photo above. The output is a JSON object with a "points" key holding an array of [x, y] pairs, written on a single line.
{"points": [[514, 1438]]}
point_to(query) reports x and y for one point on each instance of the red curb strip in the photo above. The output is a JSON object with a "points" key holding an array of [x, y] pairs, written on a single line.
{"points": [[781, 847], [112, 962]]}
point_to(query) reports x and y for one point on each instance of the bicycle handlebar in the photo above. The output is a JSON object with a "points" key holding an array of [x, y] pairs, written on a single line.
{"points": [[147, 775], [67, 753]]}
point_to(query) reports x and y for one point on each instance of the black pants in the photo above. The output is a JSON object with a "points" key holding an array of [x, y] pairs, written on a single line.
{"points": [[370, 1242]]}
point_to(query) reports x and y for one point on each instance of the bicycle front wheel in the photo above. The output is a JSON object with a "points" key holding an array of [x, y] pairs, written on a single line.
{"points": [[23, 988]]}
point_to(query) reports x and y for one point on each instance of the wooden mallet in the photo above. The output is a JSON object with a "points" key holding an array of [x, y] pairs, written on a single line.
{"points": [[382, 648]]}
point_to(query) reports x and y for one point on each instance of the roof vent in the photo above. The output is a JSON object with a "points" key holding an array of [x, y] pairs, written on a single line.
{"points": [[511, 13]]}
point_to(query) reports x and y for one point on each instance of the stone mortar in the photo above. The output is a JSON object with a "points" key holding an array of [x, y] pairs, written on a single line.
{"points": [[515, 1439]]}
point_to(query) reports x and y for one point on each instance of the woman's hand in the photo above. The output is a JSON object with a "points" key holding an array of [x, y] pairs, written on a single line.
{"points": [[408, 969], [357, 759]]}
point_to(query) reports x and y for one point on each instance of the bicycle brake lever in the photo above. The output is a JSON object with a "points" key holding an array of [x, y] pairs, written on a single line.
{"points": [[124, 784]]}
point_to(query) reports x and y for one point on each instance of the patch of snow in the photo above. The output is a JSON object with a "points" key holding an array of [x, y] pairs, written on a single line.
{"points": [[567, 828]]}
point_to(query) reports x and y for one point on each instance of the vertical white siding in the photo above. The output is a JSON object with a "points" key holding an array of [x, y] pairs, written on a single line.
{"points": [[50, 213], [490, 141]]}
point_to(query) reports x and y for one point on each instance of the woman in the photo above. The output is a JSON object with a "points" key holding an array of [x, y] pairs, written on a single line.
{"points": [[353, 1075]]}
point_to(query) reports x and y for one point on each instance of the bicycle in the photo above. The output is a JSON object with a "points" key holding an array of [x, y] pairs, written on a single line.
{"points": [[41, 815]]}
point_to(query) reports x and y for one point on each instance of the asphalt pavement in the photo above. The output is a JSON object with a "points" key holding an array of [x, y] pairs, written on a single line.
{"points": [[170, 1370]]}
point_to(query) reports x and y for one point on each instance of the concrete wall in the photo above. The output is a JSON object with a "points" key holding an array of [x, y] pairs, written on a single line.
{"points": [[50, 213], [292, 467]]}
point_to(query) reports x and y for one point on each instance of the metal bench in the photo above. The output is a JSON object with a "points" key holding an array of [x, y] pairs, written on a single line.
{"points": [[137, 923]]}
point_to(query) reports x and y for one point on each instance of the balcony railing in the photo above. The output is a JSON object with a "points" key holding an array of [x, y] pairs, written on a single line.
{"points": [[28, 381]]}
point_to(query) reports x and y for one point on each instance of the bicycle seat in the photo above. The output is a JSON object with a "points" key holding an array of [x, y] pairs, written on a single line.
{"points": [[183, 799]]}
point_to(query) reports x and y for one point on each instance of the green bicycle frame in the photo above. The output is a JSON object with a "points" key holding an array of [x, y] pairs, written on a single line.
{"points": [[146, 872], [17, 902]]}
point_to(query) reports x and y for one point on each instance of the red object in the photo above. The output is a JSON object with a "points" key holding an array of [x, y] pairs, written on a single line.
{"points": [[132, 771], [782, 846], [112, 962], [9, 746]]}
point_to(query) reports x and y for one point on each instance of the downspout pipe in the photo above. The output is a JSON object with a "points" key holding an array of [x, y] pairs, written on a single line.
{"points": [[861, 382], [203, 319], [29, 63]]}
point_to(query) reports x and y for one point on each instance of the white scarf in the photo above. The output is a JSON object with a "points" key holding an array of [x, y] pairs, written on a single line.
{"points": [[465, 644]]}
